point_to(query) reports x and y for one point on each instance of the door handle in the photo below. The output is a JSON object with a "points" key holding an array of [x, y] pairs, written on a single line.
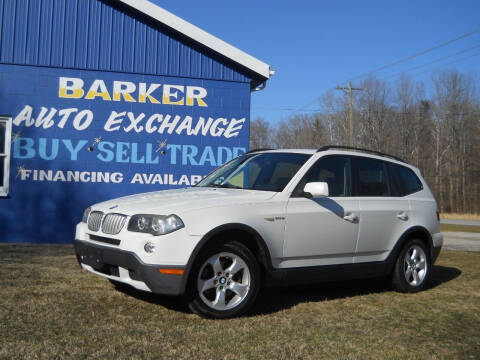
{"points": [[402, 215], [351, 217]]}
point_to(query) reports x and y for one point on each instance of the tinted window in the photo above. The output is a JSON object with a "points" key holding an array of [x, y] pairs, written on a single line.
{"points": [[409, 182], [369, 177], [264, 171], [334, 170], [396, 188]]}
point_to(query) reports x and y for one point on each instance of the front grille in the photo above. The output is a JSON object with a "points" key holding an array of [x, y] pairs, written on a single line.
{"points": [[95, 220], [113, 223]]}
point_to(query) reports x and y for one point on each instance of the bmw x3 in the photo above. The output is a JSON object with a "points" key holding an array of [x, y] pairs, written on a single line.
{"points": [[268, 217]]}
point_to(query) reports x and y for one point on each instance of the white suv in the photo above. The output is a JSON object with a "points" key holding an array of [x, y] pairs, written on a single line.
{"points": [[270, 217]]}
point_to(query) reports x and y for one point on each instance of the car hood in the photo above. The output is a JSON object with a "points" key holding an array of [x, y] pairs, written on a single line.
{"points": [[178, 201]]}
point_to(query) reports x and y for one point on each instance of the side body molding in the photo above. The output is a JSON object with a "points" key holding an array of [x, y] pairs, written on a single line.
{"points": [[303, 275]]}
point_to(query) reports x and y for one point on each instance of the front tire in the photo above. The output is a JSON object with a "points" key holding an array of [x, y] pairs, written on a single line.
{"points": [[412, 268], [225, 281]]}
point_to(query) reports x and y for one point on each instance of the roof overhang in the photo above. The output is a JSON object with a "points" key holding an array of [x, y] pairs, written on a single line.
{"points": [[202, 37]]}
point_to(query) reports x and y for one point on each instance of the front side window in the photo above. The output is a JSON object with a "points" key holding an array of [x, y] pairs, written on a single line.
{"points": [[5, 138], [334, 170], [369, 177], [264, 171]]}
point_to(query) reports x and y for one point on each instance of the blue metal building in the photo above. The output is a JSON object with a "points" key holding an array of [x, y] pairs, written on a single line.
{"points": [[107, 98]]}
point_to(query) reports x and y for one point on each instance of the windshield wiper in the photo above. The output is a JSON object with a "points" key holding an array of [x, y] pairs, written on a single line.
{"points": [[225, 186]]}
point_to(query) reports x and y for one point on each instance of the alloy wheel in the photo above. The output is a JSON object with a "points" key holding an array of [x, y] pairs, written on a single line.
{"points": [[223, 281], [415, 265]]}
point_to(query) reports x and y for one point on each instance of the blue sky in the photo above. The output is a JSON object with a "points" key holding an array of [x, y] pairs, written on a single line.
{"points": [[315, 45]]}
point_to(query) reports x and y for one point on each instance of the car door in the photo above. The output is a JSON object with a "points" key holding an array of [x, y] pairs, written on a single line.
{"points": [[384, 214], [322, 231]]}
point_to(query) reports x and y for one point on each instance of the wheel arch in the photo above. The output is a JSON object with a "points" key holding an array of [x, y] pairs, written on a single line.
{"points": [[254, 241], [417, 232]]}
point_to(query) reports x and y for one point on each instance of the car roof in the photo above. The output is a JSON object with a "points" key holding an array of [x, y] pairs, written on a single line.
{"points": [[294, 151], [338, 151]]}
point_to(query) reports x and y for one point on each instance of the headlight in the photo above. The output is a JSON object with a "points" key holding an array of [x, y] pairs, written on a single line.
{"points": [[155, 224], [86, 212]]}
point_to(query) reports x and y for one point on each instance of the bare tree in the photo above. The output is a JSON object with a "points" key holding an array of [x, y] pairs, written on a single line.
{"points": [[260, 134], [335, 118], [375, 115], [452, 128], [301, 131]]}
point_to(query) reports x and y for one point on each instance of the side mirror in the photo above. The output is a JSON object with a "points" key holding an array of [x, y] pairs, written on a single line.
{"points": [[316, 189]]}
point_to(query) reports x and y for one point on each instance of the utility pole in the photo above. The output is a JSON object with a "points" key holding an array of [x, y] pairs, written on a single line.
{"points": [[350, 90]]}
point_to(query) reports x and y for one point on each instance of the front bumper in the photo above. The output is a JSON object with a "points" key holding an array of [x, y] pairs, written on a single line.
{"points": [[126, 267]]}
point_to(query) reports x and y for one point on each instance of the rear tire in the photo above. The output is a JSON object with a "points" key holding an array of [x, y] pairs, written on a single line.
{"points": [[412, 268], [225, 282]]}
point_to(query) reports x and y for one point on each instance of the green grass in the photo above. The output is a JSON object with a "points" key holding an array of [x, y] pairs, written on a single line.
{"points": [[462, 228], [51, 309]]}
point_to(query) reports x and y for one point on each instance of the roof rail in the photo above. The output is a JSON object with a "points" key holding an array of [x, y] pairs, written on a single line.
{"points": [[342, 147], [256, 150]]}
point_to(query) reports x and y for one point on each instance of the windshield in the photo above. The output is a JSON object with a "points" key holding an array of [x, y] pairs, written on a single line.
{"points": [[264, 171]]}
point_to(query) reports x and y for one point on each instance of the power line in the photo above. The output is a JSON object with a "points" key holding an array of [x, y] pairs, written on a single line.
{"points": [[432, 62], [450, 63], [305, 106], [414, 55], [282, 109], [392, 111], [302, 108]]}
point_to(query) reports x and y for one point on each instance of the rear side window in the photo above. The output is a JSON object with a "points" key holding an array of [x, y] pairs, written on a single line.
{"points": [[404, 179], [396, 188], [369, 177]]}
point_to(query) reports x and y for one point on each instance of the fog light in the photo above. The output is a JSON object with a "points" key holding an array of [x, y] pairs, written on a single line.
{"points": [[149, 247]]}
